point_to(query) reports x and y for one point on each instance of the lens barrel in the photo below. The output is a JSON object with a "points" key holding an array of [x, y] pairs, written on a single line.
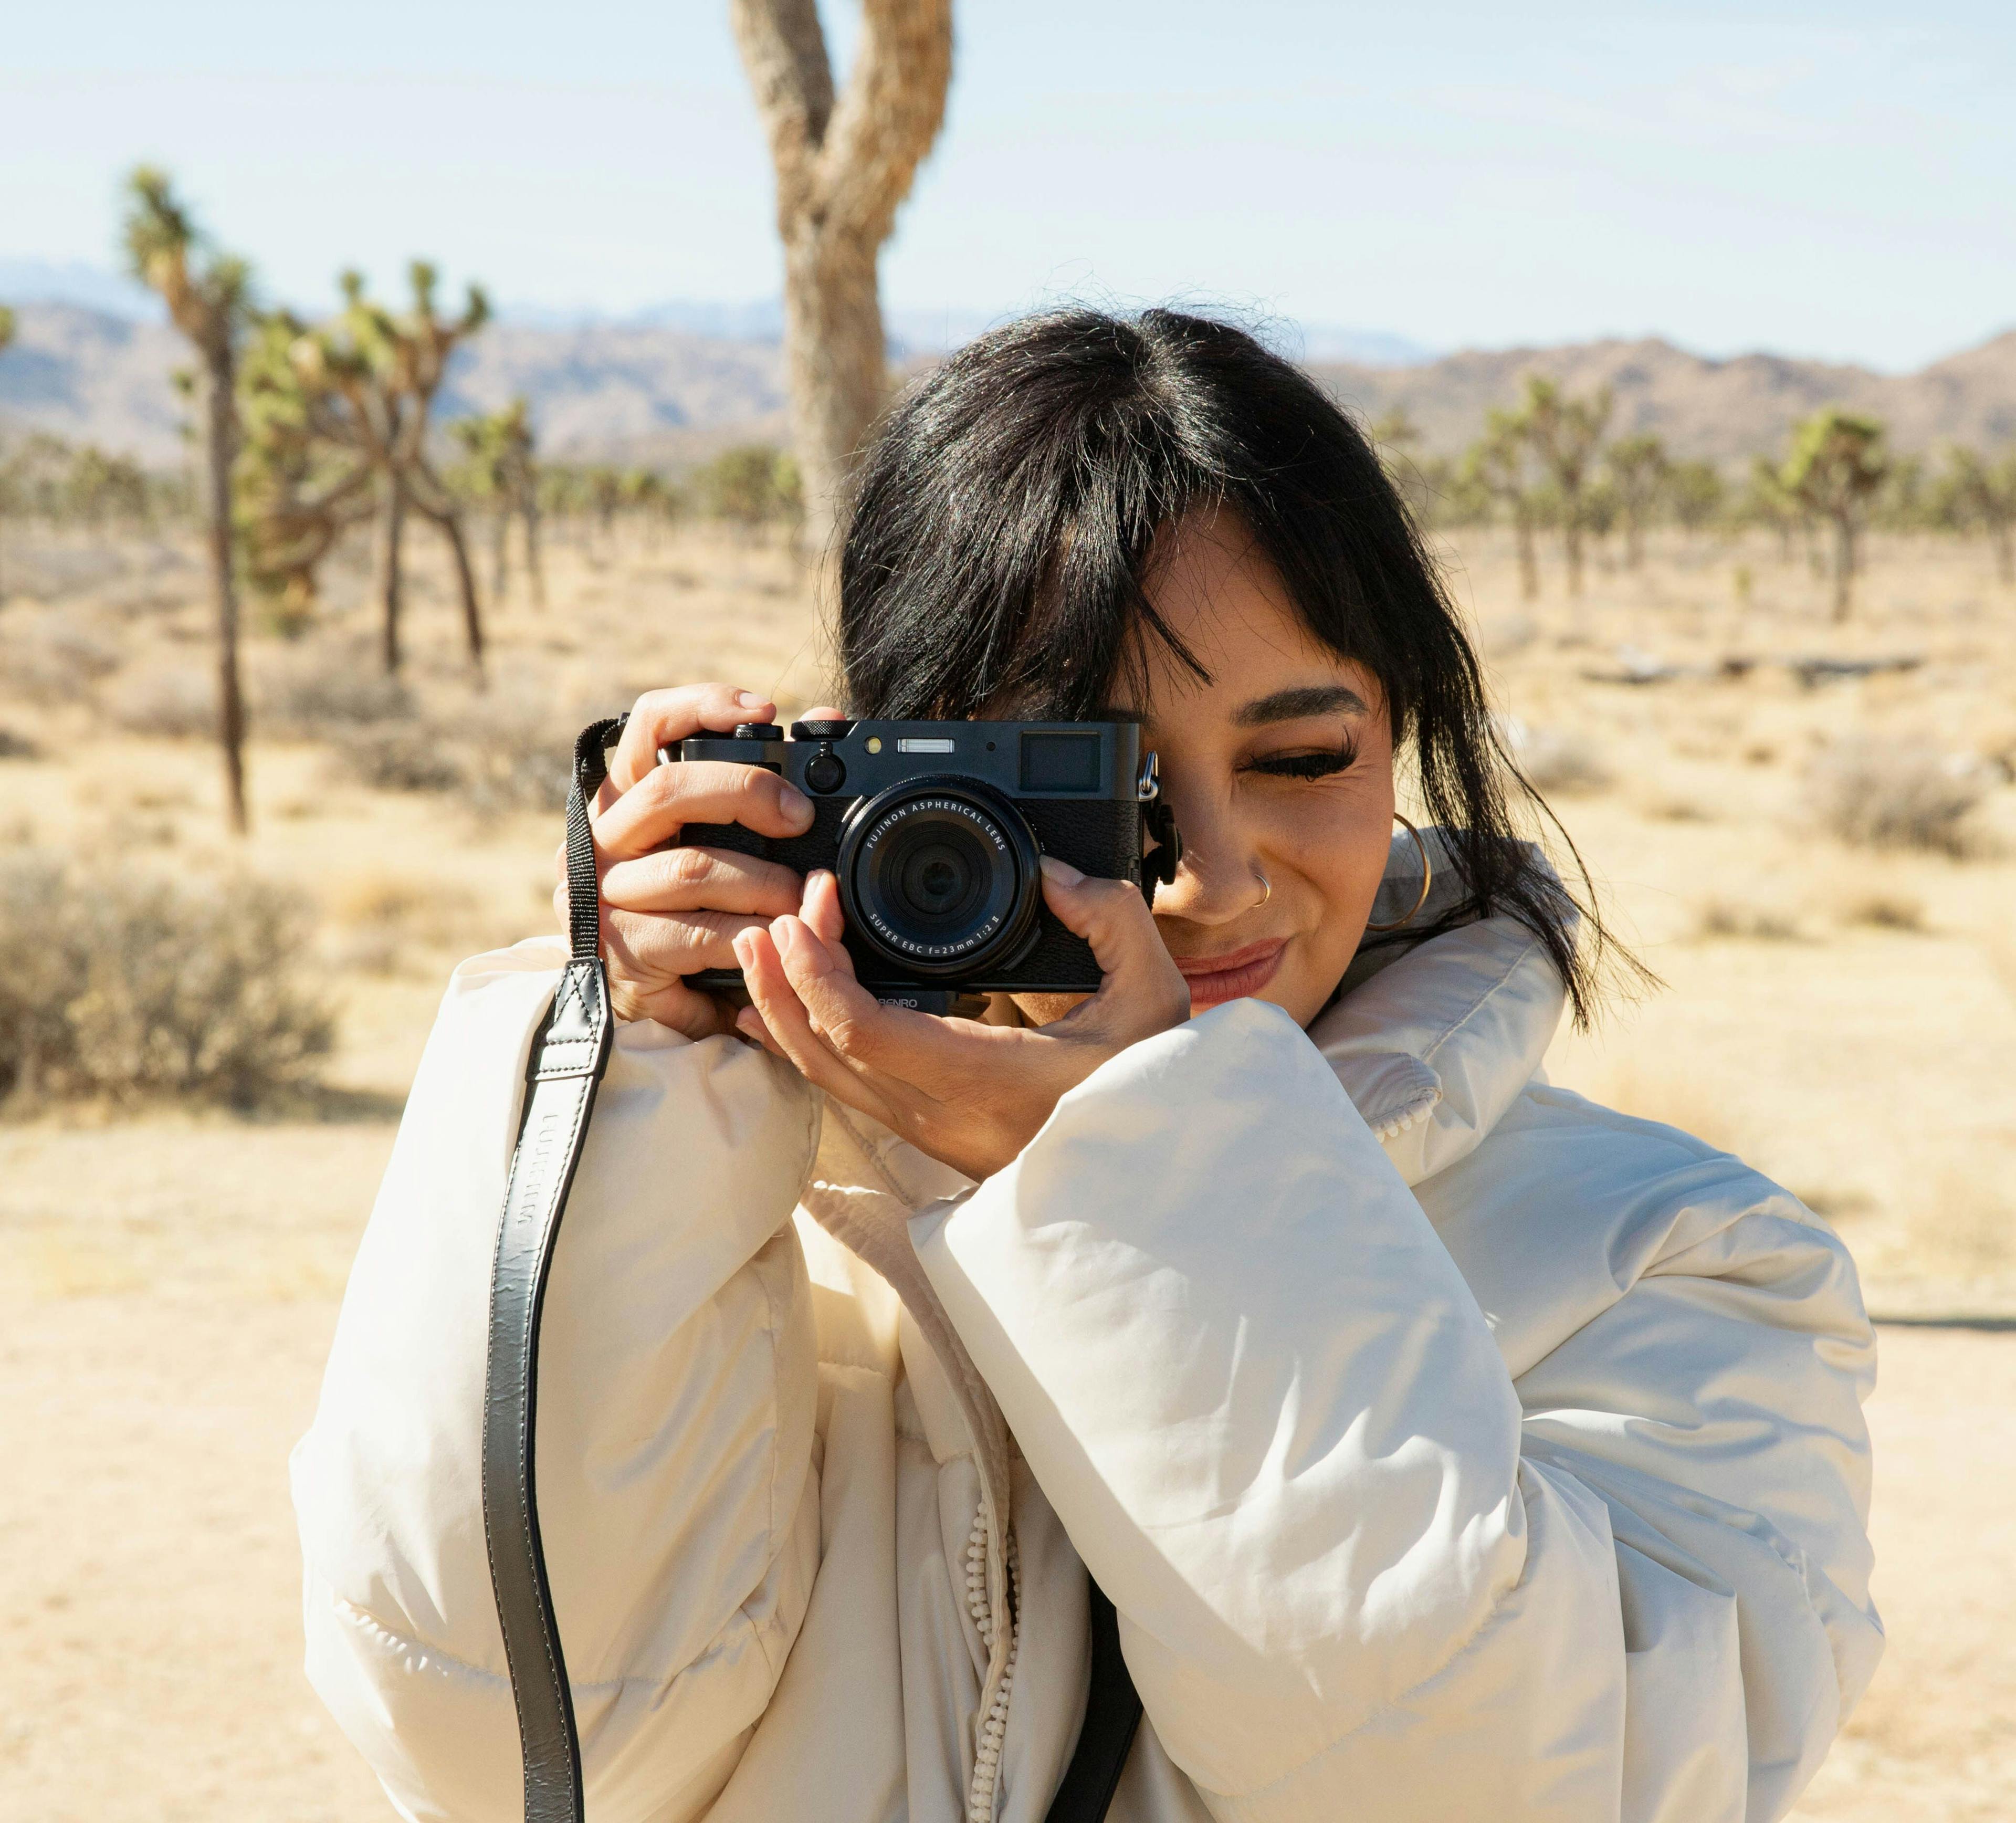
{"points": [[941, 875]]}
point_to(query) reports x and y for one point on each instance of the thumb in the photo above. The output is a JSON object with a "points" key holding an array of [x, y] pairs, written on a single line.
{"points": [[1142, 991]]}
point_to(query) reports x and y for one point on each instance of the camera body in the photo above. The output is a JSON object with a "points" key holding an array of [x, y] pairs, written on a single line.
{"points": [[934, 830]]}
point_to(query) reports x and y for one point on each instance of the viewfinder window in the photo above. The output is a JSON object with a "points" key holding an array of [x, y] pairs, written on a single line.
{"points": [[1061, 762]]}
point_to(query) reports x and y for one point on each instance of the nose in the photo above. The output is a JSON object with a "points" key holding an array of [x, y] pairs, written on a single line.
{"points": [[1219, 876]]}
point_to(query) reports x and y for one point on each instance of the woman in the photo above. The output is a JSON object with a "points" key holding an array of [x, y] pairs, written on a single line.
{"points": [[1448, 1446]]}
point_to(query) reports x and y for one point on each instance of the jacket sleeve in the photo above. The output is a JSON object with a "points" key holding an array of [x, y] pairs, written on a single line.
{"points": [[678, 1496], [1275, 1422]]}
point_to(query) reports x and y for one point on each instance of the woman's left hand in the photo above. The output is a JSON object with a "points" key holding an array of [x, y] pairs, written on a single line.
{"points": [[971, 1095]]}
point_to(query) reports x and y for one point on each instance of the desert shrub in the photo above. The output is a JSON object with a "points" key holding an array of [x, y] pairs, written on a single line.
{"points": [[408, 756], [124, 986], [520, 757], [382, 917], [1902, 794], [52, 658], [1556, 760], [1885, 910], [328, 692], [170, 703], [1729, 918]]}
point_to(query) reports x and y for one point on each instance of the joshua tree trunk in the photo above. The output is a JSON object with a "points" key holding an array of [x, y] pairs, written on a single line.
{"points": [[390, 581], [500, 531], [834, 364], [1572, 548], [450, 524], [843, 166], [1843, 565], [219, 436], [437, 505]]}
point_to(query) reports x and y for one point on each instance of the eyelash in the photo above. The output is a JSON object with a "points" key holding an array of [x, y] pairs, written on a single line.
{"points": [[1306, 765]]}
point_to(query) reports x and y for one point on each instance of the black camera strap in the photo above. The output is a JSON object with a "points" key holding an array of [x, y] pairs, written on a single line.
{"points": [[568, 1059]]}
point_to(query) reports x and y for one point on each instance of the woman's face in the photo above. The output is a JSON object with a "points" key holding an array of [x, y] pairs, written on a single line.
{"points": [[1279, 771]]}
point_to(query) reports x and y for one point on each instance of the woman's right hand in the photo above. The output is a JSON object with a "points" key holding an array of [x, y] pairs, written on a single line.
{"points": [[669, 912]]}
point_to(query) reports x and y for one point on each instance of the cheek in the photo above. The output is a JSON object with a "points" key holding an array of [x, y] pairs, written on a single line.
{"points": [[1339, 845]]}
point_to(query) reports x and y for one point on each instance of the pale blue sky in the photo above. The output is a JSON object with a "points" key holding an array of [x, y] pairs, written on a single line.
{"points": [[1834, 179]]}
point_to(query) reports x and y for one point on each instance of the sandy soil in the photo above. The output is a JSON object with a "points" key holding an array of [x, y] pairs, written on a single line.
{"points": [[1843, 1016]]}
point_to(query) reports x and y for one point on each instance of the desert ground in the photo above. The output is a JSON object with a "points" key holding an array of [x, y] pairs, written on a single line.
{"points": [[1840, 1013]]}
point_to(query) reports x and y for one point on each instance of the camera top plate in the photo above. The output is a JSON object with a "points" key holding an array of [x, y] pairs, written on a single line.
{"points": [[1019, 759]]}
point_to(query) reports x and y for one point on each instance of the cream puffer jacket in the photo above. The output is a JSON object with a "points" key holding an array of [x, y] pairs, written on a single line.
{"points": [[1451, 1447]]}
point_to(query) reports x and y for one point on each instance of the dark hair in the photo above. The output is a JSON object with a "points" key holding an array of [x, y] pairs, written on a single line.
{"points": [[1004, 516]]}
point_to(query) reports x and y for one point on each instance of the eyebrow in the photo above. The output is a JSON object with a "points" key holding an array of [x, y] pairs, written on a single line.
{"points": [[1292, 705]]}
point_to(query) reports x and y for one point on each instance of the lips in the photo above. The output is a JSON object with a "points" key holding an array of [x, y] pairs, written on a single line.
{"points": [[1233, 976]]}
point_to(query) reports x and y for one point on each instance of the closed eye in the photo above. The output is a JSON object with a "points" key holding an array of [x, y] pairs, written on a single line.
{"points": [[1321, 764]]}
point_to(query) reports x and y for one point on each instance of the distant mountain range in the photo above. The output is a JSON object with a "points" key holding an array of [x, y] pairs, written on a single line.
{"points": [[677, 389], [1722, 411]]}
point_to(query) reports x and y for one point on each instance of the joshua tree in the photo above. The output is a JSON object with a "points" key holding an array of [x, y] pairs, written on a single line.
{"points": [[299, 488], [844, 164], [373, 378], [497, 468], [1837, 465], [1695, 491], [206, 293], [1638, 467], [1765, 502], [1565, 434], [1975, 491], [1498, 465]]}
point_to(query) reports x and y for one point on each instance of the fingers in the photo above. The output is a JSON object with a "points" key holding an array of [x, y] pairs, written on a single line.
{"points": [[1143, 991], [845, 1014], [662, 717], [786, 1026], [654, 810], [657, 946], [714, 880], [821, 910]]}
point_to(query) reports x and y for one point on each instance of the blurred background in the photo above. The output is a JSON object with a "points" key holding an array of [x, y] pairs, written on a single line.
{"points": [[383, 394]]}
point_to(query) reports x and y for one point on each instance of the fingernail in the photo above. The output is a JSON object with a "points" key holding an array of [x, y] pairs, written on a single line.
{"points": [[742, 953], [1062, 872], [794, 804], [749, 700], [783, 932]]}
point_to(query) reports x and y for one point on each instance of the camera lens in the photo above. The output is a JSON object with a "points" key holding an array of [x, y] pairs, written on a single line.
{"points": [[940, 875]]}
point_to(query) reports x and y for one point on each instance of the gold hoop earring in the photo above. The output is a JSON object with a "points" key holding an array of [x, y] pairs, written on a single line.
{"points": [[1427, 875], [1266, 887]]}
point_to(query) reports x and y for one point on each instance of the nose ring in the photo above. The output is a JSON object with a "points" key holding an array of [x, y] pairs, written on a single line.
{"points": [[1266, 887]]}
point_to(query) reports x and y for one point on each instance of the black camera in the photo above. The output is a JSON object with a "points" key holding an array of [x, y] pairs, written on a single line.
{"points": [[934, 830]]}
